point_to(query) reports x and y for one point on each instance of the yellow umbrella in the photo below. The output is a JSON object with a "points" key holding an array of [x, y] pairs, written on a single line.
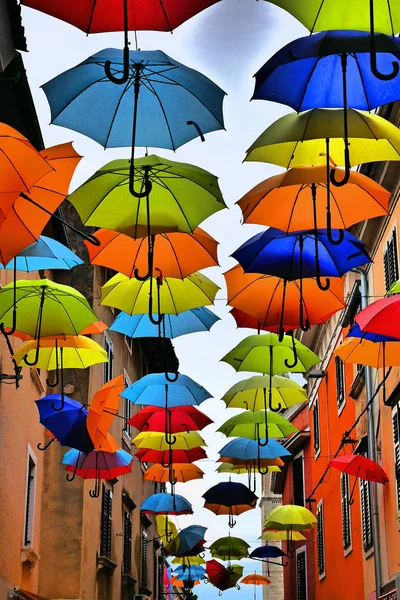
{"points": [[188, 560], [179, 472], [168, 533], [281, 536], [251, 393], [242, 470], [157, 441]]}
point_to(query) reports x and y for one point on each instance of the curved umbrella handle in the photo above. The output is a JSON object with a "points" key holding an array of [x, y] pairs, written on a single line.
{"points": [[107, 65], [203, 139], [39, 329], [373, 62], [57, 380], [347, 170], [62, 404], [36, 356], [170, 439], [70, 477], [95, 493], [61, 371], [173, 378], [295, 356], [43, 448], [260, 443], [160, 317], [329, 231], [13, 326]]}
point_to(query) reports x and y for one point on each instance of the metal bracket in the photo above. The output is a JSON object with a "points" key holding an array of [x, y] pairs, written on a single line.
{"points": [[3, 376]]}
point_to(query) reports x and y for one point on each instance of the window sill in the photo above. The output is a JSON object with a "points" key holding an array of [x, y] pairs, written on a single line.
{"points": [[347, 551], [128, 580], [341, 407], [105, 564], [28, 555], [126, 440], [145, 591], [322, 576], [368, 553], [357, 384], [317, 453]]}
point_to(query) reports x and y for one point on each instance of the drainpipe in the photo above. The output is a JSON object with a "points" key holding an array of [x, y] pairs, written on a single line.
{"points": [[371, 451]]}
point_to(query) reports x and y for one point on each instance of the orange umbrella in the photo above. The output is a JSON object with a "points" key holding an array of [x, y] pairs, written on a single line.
{"points": [[179, 472], [21, 166], [92, 329], [25, 221], [256, 580], [174, 254], [275, 302], [285, 201], [101, 413], [175, 582]]}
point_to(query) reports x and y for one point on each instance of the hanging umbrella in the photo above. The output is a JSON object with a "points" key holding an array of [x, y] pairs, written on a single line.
{"points": [[192, 573], [255, 580], [166, 457], [159, 441], [361, 467], [44, 254], [267, 551], [174, 254], [223, 577], [168, 533], [250, 393], [243, 320], [258, 426], [243, 468], [180, 472], [297, 199], [301, 254], [282, 308], [290, 518], [186, 561], [229, 498], [282, 536], [253, 455], [183, 418], [191, 540], [176, 582], [383, 16], [227, 548], [156, 390], [68, 426], [382, 317], [172, 326], [97, 465], [102, 410], [166, 504]]}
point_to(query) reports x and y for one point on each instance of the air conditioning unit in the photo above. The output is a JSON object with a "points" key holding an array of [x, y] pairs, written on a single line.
{"points": [[141, 597]]}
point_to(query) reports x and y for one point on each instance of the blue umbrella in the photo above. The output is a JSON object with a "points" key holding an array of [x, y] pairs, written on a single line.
{"points": [[156, 390], [46, 253], [190, 321], [229, 498], [68, 425], [191, 573], [331, 70], [189, 538], [166, 504], [267, 552], [355, 331], [251, 451]]}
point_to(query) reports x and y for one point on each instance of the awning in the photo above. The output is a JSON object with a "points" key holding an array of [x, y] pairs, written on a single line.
{"points": [[25, 595]]}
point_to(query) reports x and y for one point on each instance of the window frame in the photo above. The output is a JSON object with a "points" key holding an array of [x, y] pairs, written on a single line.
{"points": [[340, 400], [299, 457], [346, 513], [320, 539], [302, 550], [316, 420], [108, 367], [127, 543], [106, 549], [144, 555], [30, 500], [391, 245]]}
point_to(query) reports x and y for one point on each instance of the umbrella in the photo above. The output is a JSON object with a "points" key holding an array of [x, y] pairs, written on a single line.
{"points": [[190, 574], [229, 498], [331, 70], [361, 467], [267, 552], [97, 465], [281, 536], [168, 533], [182, 418], [258, 425], [287, 518], [223, 577], [174, 254], [301, 254], [154, 440], [382, 317], [102, 410], [255, 580], [180, 473], [156, 390], [254, 455], [383, 16], [250, 393], [175, 582], [166, 504], [44, 254], [243, 468], [227, 548], [167, 457], [188, 560], [190, 540], [172, 326], [67, 425], [282, 309], [297, 199]]}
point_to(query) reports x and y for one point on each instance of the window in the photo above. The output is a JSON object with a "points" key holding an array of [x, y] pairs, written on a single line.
{"points": [[340, 397], [346, 522], [298, 481], [129, 343], [127, 407], [390, 261], [30, 501], [106, 522], [127, 560], [320, 540], [143, 572], [317, 435], [365, 501], [108, 366], [301, 575], [396, 442]]}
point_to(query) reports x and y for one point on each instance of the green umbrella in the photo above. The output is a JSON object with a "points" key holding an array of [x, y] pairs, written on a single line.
{"points": [[251, 393], [181, 197], [42, 308], [252, 425], [226, 548], [363, 15]]}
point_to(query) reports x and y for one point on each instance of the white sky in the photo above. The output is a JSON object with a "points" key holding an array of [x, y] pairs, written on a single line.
{"points": [[228, 42]]}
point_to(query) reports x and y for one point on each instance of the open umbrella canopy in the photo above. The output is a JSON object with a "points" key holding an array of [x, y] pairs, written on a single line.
{"points": [[381, 316], [355, 332], [244, 468], [176, 295], [67, 425], [263, 296], [191, 573], [164, 457], [46, 253], [374, 354], [371, 138], [58, 309], [300, 254], [267, 551], [181, 472], [360, 466], [168, 533], [190, 539], [85, 100], [285, 200], [172, 326], [253, 425], [188, 560], [229, 547], [254, 354], [78, 352], [180, 418], [229, 498], [256, 580], [250, 393], [282, 536], [102, 465], [155, 390], [162, 504], [102, 410], [249, 450], [223, 577], [174, 254], [155, 440], [289, 517]]}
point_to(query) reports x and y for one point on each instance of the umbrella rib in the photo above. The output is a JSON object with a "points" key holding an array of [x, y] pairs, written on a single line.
{"points": [[15, 168], [126, 88], [177, 202], [299, 107], [368, 125], [362, 81], [164, 114], [301, 188], [278, 283]]}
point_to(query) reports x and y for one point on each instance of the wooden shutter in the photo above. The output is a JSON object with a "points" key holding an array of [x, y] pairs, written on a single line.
{"points": [[390, 261], [143, 574], [317, 439], [106, 522], [127, 543], [298, 481], [346, 525], [30, 502], [396, 443], [320, 540], [365, 515], [301, 576], [339, 381]]}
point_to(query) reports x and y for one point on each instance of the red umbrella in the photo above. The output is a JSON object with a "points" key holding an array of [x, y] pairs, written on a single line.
{"points": [[163, 457], [359, 466], [177, 419], [382, 316], [223, 577]]}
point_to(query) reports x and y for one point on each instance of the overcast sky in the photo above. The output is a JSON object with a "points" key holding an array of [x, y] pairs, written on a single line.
{"points": [[228, 42]]}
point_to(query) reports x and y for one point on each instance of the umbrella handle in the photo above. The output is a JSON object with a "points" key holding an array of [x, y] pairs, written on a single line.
{"points": [[173, 378], [295, 356], [170, 439], [57, 381], [324, 287], [70, 477], [107, 65], [374, 67], [238, 586], [61, 407], [347, 168], [329, 231], [150, 240], [14, 321], [260, 443], [61, 371], [203, 139], [38, 332], [95, 493], [160, 317], [43, 448]]}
